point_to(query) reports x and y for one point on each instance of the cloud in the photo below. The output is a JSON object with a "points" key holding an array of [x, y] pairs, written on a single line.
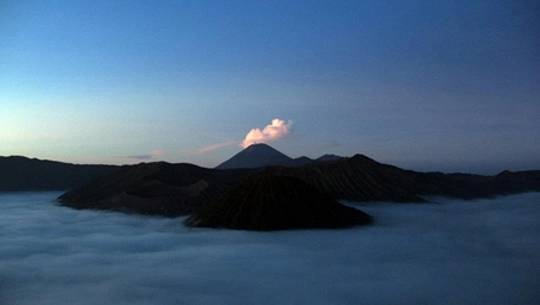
{"points": [[209, 148], [485, 253], [274, 131], [155, 153]]}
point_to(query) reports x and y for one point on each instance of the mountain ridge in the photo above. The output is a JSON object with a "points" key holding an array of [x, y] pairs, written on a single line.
{"points": [[253, 156], [161, 188], [261, 155], [19, 173], [178, 189], [267, 203]]}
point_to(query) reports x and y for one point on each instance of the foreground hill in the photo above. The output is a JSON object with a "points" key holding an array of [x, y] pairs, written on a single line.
{"points": [[177, 189], [264, 203], [25, 174], [358, 178], [158, 188]]}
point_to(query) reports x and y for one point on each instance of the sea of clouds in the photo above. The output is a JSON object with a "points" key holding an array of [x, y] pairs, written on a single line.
{"points": [[448, 252]]}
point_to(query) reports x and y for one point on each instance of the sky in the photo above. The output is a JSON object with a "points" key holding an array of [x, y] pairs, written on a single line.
{"points": [[424, 85]]}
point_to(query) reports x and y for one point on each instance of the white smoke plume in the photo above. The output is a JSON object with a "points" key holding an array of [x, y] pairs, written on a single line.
{"points": [[274, 131]]}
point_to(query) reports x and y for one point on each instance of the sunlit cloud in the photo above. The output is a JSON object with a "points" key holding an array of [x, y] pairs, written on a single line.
{"points": [[209, 148], [274, 131]]}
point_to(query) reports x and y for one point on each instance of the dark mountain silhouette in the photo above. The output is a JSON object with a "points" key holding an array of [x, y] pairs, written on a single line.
{"points": [[264, 203], [358, 178], [256, 155], [328, 157], [179, 189], [469, 186], [261, 155], [24, 174], [300, 161], [154, 188]]}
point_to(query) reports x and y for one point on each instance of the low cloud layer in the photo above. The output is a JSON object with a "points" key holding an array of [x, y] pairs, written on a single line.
{"points": [[277, 129], [451, 252]]}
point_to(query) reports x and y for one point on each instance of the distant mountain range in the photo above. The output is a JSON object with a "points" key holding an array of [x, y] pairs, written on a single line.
{"points": [[161, 188], [260, 155], [177, 189], [24, 174], [18, 173]]}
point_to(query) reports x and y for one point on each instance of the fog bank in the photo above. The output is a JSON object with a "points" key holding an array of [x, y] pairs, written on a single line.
{"points": [[449, 252]]}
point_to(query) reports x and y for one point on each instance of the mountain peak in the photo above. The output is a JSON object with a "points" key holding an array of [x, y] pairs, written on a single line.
{"points": [[266, 203], [328, 157], [255, 155], [259, 146]]}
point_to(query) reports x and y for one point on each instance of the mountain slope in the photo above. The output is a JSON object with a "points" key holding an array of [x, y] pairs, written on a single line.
{"points": [[469, 186], [297, 162], [261, 155], [358, 178], [178, 189], [158, 188], [265, 203], [24, 174], [328, 157], [256, 155]]}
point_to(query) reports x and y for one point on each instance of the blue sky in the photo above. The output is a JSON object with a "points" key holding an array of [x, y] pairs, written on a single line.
{"points": [[426, 85]]}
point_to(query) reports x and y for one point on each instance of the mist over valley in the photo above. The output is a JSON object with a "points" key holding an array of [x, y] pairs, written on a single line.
{"points": [[448, 252]]}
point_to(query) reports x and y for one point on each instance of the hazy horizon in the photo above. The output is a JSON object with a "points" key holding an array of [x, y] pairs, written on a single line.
{"points": [[474, 169]]}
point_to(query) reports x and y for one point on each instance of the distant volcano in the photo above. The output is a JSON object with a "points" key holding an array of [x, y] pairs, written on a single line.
{"points": [[264, 203], [256, 155], [261, 155], [160, 188]]}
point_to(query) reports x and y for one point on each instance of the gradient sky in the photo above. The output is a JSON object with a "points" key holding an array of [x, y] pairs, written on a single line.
{"points": [[425, 85]]}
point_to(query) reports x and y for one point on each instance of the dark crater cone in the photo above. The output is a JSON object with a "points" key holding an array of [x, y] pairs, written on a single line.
{"points": [[265, 203]]}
